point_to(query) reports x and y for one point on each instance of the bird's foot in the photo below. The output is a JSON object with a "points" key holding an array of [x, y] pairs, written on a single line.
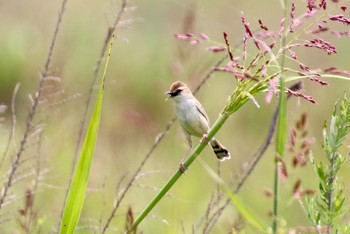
{"points": [[182, 168], [204, 139]]}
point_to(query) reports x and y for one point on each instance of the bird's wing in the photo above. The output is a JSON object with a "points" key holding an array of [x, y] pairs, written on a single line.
{"points": [[202, 111]]}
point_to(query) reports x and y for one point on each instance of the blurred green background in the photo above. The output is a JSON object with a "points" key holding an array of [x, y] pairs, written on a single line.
{"points": [[146, 59]]}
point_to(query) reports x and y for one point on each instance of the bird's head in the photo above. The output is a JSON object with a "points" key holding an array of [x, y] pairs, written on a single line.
{"points": [[178, 91]]}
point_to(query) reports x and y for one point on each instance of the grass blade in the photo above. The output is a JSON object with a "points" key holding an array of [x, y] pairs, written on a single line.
{"points": [[281, 133], [77, 190]]}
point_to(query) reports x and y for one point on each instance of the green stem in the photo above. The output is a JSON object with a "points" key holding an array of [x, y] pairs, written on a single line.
{"points": [[275, 200], [217, 125], [281, 123]]}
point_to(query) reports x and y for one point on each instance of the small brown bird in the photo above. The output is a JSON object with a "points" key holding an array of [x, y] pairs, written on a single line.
{"points": [[193, 118]]}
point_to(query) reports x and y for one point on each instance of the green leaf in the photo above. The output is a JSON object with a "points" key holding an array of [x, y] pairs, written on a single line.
{"points": [[281, 133], [77, 190], [76, 195], [320, 171]]}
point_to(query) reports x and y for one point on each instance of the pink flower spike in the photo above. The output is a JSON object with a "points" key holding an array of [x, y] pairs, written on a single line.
{"points": [[236, 59], [341, 34], [245, 39], [280, 34], [216, 49], [271, 90], [265, 35], [293, 54], [323, 4], [344, 8], [323, 45], [306, 97], [340, 18], [203, 36], [263, 45], [336, 71], [311, 5], [231, 64], [320, 29], [246, 26], [194, 42], [304, 67], [262, 25], [321, 82], [264, 71], [251, 97], [292, 13], [182, 36], [283, 171]]}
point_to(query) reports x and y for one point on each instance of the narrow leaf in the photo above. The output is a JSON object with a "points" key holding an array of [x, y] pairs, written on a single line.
{"points": [[77, 191]]}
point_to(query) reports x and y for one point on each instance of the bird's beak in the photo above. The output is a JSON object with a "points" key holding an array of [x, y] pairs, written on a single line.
{"points": [[167, 92]]}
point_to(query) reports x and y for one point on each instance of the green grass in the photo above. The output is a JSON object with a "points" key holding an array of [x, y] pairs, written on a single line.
{"points": [[77, 191]]}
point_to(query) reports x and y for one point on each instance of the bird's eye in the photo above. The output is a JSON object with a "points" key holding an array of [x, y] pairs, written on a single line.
{"points": [[176, 92]]}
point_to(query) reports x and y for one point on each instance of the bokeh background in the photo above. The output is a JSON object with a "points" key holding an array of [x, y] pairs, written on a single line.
{"points": [[145, 60]]}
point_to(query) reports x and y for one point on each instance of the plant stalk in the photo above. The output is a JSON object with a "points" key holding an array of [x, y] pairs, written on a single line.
{"points": [[216, 127], [275, 199], [281, 133]]}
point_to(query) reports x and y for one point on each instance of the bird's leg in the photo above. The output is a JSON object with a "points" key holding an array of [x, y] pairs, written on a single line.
{"points": [[204, 139], [182, 168]]}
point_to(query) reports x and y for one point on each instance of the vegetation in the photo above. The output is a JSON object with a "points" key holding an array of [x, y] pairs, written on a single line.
{"points": [[259, 72]]}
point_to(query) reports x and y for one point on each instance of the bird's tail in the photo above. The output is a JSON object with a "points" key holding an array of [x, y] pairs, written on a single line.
{"points": [[221, 152]]}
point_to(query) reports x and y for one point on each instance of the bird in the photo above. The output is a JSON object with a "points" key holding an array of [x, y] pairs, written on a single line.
{"points": [[193, 119]]}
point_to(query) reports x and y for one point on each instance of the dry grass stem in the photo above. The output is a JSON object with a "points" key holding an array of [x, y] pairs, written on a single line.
{"points": [[32, 112]]}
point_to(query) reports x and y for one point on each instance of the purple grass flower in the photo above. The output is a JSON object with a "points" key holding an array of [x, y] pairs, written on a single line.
{"points": [[265, 35], [321, 28], [341, 34], [216, 49], [280, 34], [321, 82], [183, 36], [262, 25], [246, 26], [306, 97], [262, 45], [311, 5], [323, 4], [292, 54], [340, 18], [292, 13], [204, 36], [323, 45], [194, 42], [272, 89]]}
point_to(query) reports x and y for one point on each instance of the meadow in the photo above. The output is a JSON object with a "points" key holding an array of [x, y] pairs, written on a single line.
{"points": [[53, 60]]}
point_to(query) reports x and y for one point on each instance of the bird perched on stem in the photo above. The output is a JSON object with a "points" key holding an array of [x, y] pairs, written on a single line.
{"points": [[193, 119]]}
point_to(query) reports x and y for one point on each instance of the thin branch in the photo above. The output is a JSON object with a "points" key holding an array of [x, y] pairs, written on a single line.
{"points": [[13, 125], [32, 112]]}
